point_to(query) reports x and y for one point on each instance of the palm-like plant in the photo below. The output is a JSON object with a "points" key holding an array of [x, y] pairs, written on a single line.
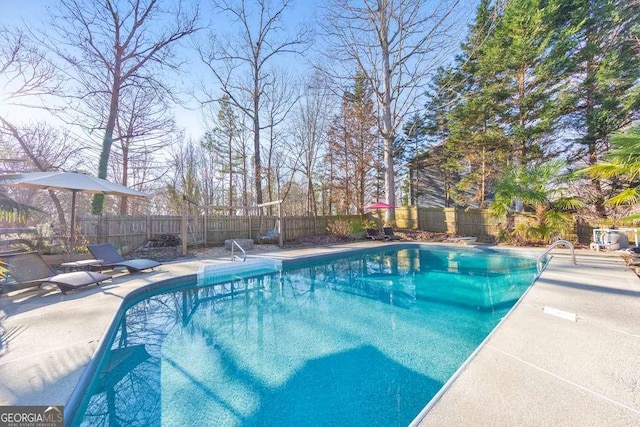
{"points": [[622, 163], [12, 210], [543, 192]]}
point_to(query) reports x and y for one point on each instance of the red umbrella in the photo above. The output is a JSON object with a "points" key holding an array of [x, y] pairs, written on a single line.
{"points": [[381, 205]]}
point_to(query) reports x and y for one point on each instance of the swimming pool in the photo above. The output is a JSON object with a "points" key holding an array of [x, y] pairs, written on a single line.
{"points": [[361, 339]]}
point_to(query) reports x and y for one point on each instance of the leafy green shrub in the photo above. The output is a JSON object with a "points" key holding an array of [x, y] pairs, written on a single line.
{"points": [[358, 228], [354, 229]]}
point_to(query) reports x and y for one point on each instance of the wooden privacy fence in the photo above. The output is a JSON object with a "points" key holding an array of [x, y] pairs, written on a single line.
{"points": [[474, 222], [133, 231], [470, 222]]}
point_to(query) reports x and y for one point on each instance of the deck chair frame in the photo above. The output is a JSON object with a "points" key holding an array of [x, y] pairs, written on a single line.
{"points": [[111, 258], [29, 269]]}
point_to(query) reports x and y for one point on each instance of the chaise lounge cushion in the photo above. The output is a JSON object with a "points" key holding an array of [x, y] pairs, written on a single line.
{"points": [[387, 232], [111, 258], [30, 269], [374, 234]]}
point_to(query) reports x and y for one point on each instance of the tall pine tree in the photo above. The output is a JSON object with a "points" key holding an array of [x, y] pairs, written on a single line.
{"points": [[527, 55], [475, 132], [606, 72]]}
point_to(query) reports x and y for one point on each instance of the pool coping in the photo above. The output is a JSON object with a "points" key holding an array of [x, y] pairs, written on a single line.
{"points": [[127, 287], [565, 355], [435, 399]]}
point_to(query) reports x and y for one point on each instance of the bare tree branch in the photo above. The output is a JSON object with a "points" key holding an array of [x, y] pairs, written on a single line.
{"points": [[396, 45], [132, 41], [243, 66]]}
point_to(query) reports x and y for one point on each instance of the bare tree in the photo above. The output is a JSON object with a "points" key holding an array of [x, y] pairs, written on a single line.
{"points": [[395, 44], [26, 76], [111, 45], [44, 148], [280, 98], [25, 73], [144, 126], [310, 125], [185, 160], [220, 142], [242, 64]]}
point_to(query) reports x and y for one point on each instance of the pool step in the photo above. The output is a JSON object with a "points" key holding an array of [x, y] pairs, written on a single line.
{"points": [[218, 273]]}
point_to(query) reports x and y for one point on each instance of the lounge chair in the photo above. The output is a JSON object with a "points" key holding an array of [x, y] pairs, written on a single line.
{"points": [[111, 258], [374, 234], [387, 232], [270, 236], [30, 269]]}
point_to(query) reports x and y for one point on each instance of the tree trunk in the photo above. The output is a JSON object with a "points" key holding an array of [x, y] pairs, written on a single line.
{"points": [[257, 162], [124, 201], [97, 204], [388, 133], [591, 141], [230, 154]]}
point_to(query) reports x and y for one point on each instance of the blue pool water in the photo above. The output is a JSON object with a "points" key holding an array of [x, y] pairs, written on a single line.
{"points": [[365, 339]]}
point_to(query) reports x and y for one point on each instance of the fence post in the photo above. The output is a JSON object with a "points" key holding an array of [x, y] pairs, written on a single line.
{"points": [[204, 230], [451, 219], [185, 218], [415, 217]]}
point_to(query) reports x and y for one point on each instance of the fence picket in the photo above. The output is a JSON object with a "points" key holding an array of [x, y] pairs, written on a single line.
{"points": [[134, 230]]}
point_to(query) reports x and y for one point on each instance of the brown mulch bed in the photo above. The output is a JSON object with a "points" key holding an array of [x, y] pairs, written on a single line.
{"points": [[419, 235]]}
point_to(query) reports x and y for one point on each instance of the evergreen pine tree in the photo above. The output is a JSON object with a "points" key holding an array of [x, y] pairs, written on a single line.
{"points": [[605, 79]]}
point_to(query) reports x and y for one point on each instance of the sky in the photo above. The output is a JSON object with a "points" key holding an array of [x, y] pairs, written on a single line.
{"points": [[33, 13], [189, 116]]}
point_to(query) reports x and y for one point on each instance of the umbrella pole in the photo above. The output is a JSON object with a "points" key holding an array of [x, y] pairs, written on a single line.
{"points": [[72, 238]]}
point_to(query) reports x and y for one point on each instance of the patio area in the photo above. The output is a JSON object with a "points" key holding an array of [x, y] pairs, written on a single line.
{"points": [[566, 355]]}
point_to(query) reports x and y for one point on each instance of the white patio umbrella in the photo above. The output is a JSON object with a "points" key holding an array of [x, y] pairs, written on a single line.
{"points": [[68, 181]]}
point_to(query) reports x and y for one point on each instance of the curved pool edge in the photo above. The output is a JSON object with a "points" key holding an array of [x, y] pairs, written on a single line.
{"points": [[288, 257], [77, 396]]}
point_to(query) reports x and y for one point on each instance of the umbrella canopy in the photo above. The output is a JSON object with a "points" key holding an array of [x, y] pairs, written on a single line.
{"points": [[68, 181], [381, 205]]}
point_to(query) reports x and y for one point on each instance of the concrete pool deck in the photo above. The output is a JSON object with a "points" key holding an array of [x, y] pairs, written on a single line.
{"points": [[540, 366]]}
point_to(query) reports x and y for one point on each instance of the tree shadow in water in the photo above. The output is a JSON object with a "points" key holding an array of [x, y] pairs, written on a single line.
{"points": [[357, 387]]}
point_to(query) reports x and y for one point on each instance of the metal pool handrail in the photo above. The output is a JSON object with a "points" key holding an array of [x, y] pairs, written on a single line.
{"points": [[553, 245], [233, 256]]}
